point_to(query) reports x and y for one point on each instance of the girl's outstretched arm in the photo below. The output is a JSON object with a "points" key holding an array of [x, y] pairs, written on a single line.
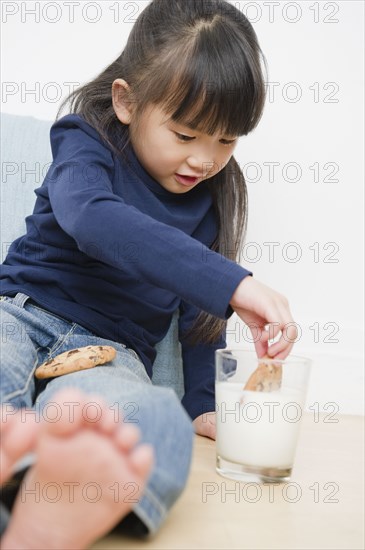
{"points": [[84, 192], [258, 306]]}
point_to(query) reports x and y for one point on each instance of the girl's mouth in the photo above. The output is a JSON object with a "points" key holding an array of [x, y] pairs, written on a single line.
{"points": [[186, 180]]}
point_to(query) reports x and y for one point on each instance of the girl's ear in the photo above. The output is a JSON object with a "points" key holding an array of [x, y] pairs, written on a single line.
{"points": [[122, 100]]}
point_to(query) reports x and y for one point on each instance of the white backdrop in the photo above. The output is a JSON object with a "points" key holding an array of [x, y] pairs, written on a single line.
{"points": [[303, 164]]}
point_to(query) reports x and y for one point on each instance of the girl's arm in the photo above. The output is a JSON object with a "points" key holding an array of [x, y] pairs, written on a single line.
{"points": [[104, 226], [80, 185]]}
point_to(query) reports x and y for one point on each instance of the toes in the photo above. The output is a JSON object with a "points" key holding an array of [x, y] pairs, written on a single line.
{"points": [[127, 437], [142, 459], [69, 410], [18, 436], [9, 415], [63, 414], [99, 415]]}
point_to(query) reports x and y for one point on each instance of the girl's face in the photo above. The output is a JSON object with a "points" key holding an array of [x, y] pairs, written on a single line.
{"points": [[168, 151]]}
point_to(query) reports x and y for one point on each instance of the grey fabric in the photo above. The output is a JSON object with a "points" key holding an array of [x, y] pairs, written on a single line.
{"points": [[4, 518], [168, 368], [25, 158]]}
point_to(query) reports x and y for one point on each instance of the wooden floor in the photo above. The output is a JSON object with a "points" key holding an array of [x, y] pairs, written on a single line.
{"points": [[321, 508]]}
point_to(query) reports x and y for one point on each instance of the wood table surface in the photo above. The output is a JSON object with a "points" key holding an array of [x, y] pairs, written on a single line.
{"points": [[322, 507]]}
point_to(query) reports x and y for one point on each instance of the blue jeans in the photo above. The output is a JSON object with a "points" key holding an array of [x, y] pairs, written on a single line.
{"points": [[31, 334]]}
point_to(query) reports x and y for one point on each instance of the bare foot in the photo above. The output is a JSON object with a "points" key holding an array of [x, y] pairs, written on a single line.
{"points": [[88, 475], [18, 432]]}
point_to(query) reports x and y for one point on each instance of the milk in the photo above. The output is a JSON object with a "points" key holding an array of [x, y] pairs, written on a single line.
{"points": [[257, 428]]}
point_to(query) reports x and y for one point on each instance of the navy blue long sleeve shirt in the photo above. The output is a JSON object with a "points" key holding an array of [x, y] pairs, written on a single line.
{"points": [[109, 248]]}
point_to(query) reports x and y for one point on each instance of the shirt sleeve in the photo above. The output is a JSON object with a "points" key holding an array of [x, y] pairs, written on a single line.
{"points": [[198, 366], [104, 227]]}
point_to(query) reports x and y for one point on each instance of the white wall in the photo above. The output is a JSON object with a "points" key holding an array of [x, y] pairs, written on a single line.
{"points": [[312, 129]]}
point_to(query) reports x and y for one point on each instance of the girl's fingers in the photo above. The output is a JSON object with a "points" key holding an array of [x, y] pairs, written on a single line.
{"points": [[278, 320], [272, 330], [261, 348], [283, 355], [289, 334], [282, 348], [290, 325]]}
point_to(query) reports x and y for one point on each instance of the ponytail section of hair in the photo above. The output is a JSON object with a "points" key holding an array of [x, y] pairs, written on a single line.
{"points": [[200, 61], [230, 202]]}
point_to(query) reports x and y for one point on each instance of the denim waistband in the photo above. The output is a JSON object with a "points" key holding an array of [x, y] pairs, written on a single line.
{"points": [[20, 299]]}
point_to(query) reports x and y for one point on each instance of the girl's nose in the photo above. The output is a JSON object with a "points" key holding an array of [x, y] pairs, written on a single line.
{"points": [[202, 166]]}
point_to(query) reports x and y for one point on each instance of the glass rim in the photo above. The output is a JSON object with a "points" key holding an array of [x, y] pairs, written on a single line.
{"points": [[227, 352]]}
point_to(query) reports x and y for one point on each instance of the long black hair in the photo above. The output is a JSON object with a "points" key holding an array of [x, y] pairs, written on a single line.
{"points": [[200, 61]]}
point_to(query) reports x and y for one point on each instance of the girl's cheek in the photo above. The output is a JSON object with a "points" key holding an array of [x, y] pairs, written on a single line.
{"points": [[169, 155]]}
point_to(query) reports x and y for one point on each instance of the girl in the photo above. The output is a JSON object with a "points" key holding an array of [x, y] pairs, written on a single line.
{"points": [[142, 214]]}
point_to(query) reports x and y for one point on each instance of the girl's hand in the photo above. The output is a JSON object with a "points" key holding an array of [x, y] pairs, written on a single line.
{"points": [[205, 425], [258, 305]]}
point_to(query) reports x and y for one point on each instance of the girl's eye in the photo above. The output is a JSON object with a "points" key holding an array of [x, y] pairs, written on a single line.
{"points": [[228, 141], [184, 138]]}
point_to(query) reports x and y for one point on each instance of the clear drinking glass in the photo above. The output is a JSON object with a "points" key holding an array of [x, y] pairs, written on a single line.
{"points": [[257, 431]]}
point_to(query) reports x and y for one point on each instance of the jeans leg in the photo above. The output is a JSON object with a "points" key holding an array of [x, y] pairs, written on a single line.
{"points": [[28, 336], [157, 411], [18, 360], [18, 356]]}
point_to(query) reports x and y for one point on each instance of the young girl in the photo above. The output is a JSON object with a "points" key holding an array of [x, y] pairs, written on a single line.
{"points": [[141, 214]]}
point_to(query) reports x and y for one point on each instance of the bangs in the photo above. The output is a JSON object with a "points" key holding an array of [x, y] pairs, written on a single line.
{"points": [[216, 89]]}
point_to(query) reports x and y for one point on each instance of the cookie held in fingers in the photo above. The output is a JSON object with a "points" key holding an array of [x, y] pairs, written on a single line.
{"points": [[74, 360], [267, 377]]}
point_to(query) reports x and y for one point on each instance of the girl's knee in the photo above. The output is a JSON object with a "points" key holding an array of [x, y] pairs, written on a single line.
{"points": [[176, 414]]}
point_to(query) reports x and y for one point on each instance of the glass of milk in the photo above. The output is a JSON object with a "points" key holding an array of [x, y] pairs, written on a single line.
{"points": [[257, 431]]}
